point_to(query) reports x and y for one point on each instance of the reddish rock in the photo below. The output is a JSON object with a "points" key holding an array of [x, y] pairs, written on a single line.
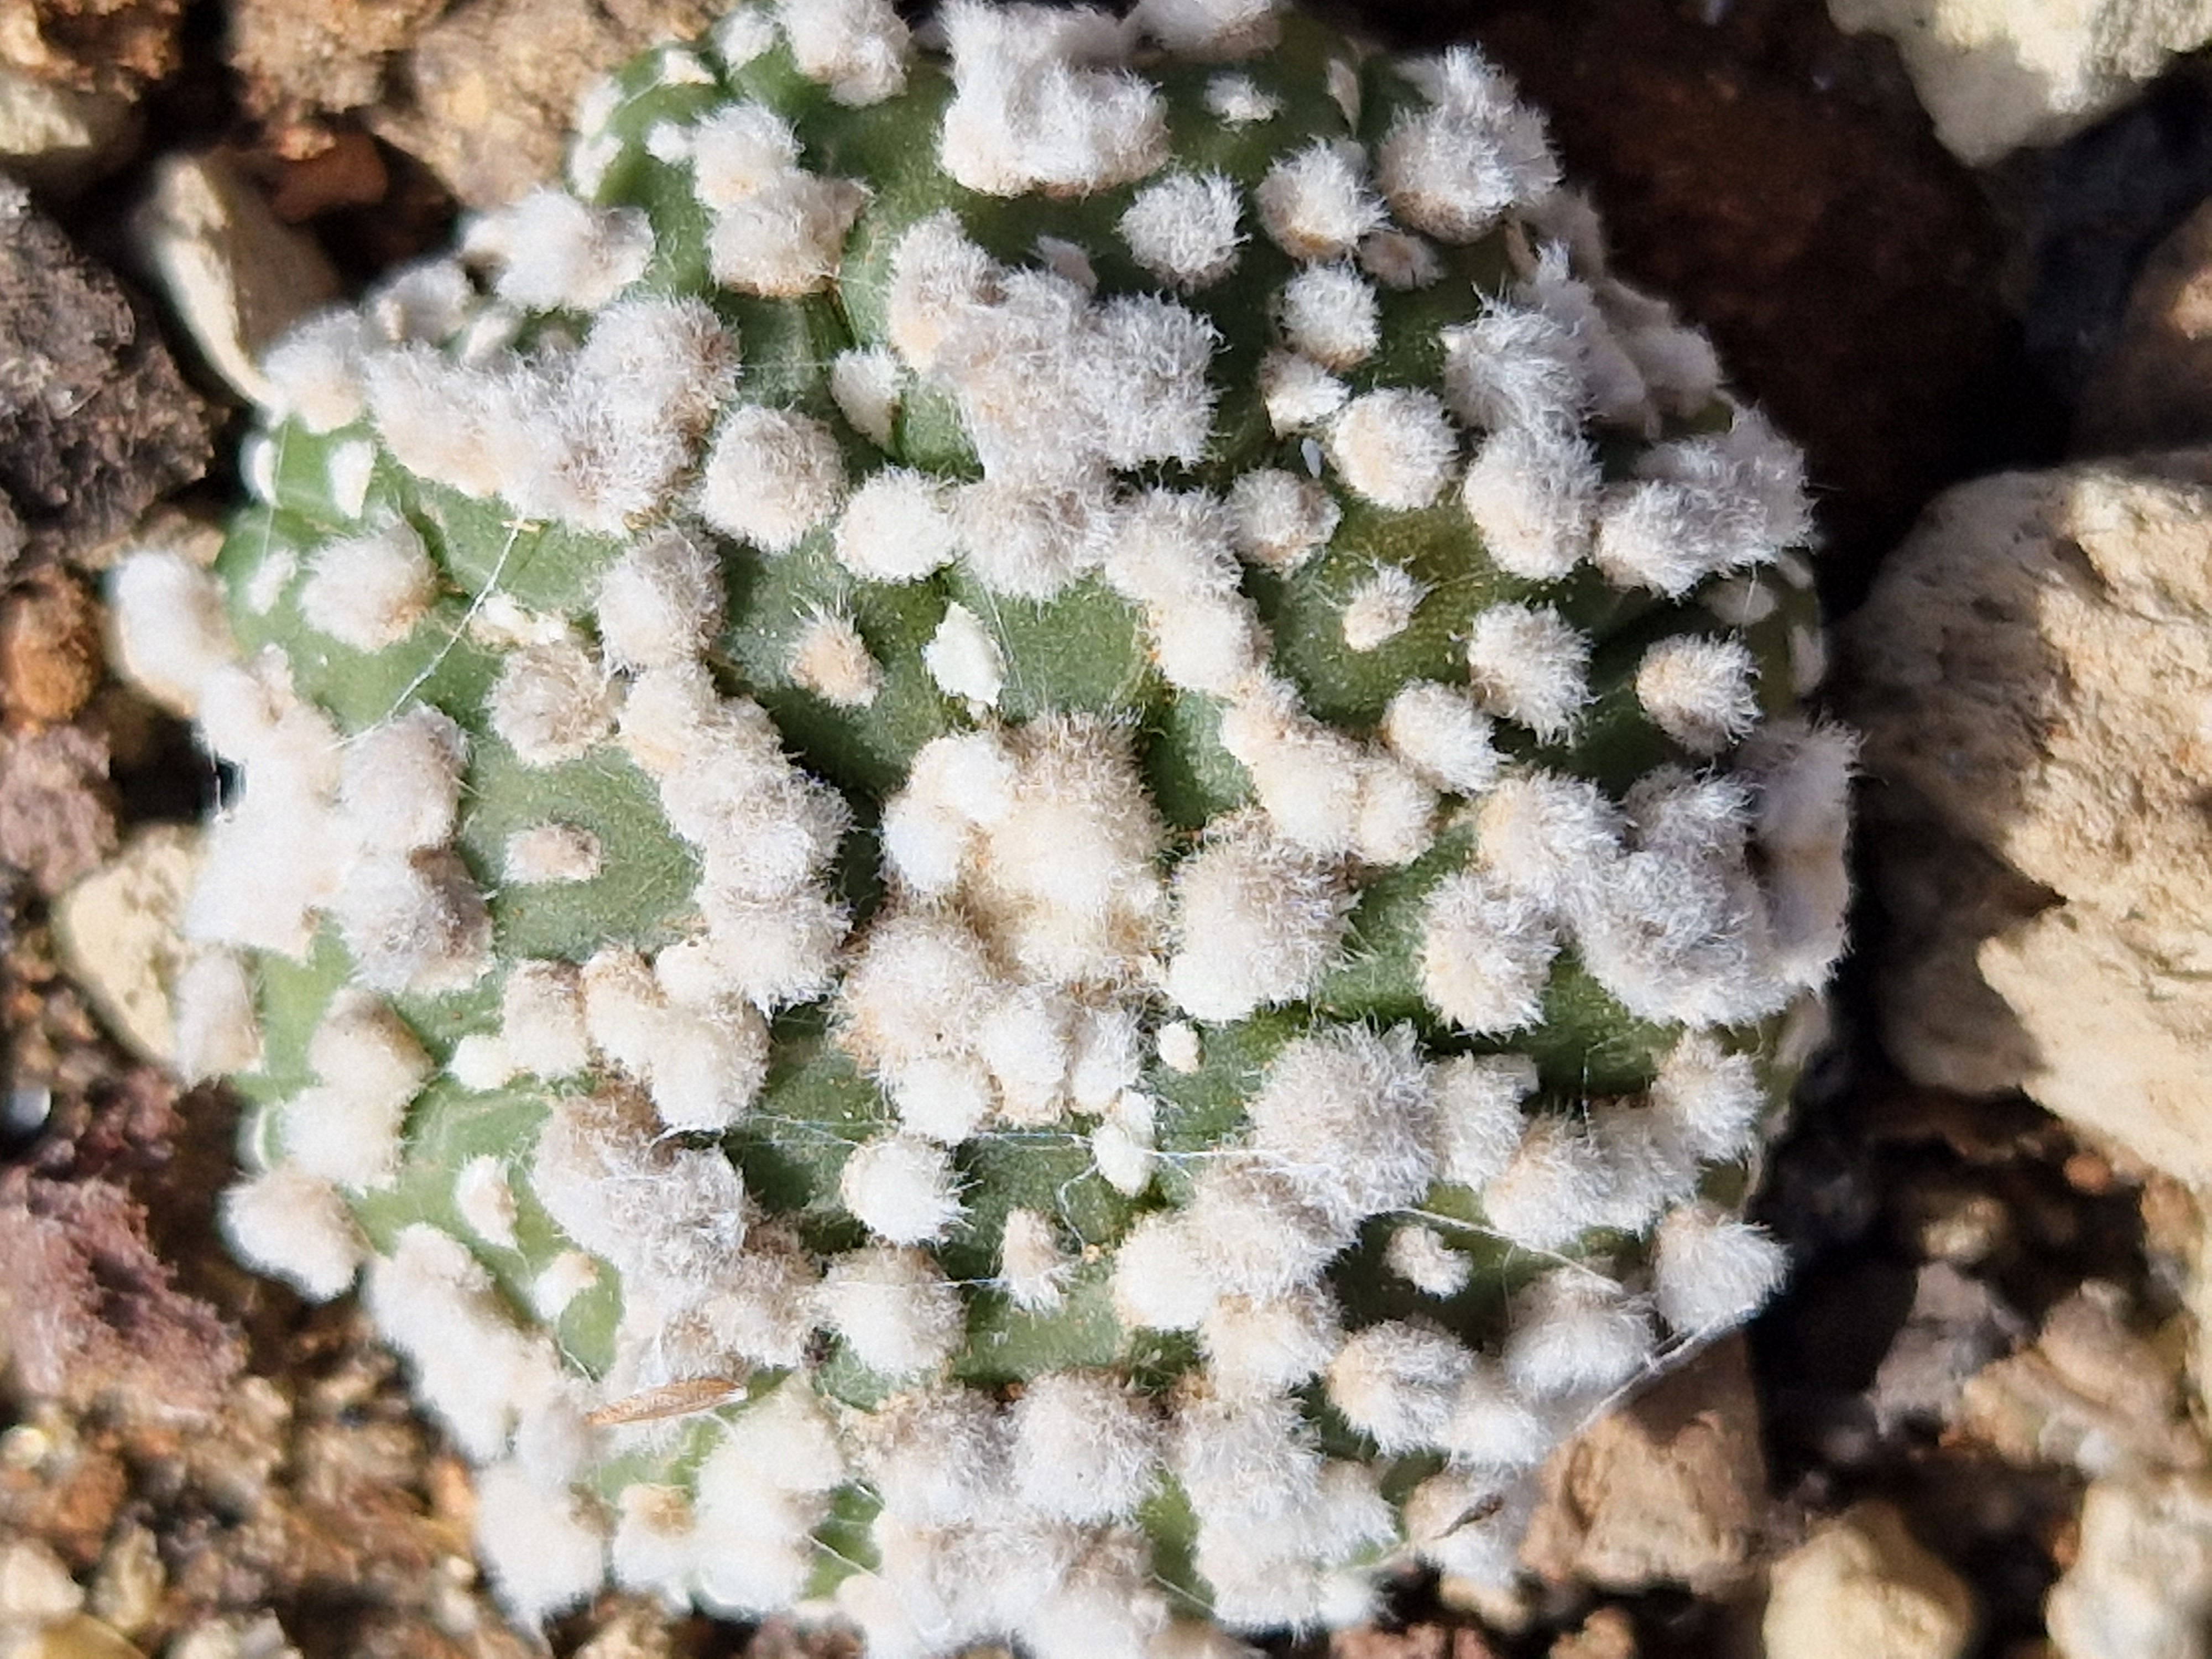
{"points": [[50, 655]]}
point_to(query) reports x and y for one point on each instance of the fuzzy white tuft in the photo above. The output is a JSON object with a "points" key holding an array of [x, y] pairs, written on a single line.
{"points": [[1575, 1334], [939, 280], [857, 48], [1344, 1114], [902, 1187], [1263, 1231], [1486, 955], [1317, 203], [1298, 392], [1470, 1524], [894, 1308], [546, 854], [1178, 1046], [1380, 607], [170, 630], [556, 254], [1034, 107], [1123, 1144], [771, 476], [399, 784], [659, 604], [963, 659], [1397, 1381], [831, 659], [1277, 519], [1255, 922], [1533, 495], [218, 1026], [1711, 1100], [1453, 168], [485, 1202], [1210, 29], [372, 590], [566, 1277], [1698, 690], [1528, 664], [1419, 1255], [1401, 263], [1710, 1271], [1262, 1345], [1236, 100], [865, 384], [542, 1018], [1087, 1447], [314, 372], [1494, 1426], [1514, 369], [1329, 313], [550, 703], [348, 472], [1160, 1280], [1395, 447], [1478, 1115], [1558, 1184], [1183, 229], [898, 527], [1548, 838], [1803, 775], [481, 1062], [297, 1227], [1440, 733], [545, 1550], [1031, 1264]]}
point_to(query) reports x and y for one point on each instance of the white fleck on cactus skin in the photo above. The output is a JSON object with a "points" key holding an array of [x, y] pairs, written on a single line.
{"points": [[1026, 989]]}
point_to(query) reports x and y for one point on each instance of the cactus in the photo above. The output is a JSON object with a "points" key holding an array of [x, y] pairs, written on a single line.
{"points": [[1021, 849]]}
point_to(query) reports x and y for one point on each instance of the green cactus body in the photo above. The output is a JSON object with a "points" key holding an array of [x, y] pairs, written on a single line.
{"points": [[1021, 843]]}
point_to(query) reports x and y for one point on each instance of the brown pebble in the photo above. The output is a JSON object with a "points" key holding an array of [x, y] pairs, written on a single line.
{"points": [[2089, 1174], [348, 172], [50, 656]]}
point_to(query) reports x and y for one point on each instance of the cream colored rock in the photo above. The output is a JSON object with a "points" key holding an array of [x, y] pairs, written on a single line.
{"points": [[1862, 1585], [1997, 74], [2033, 675], [2141, 1584], [236, 277], [58, 139], [118, 930]]}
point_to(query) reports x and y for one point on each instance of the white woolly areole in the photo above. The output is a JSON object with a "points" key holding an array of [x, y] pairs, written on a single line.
{"points": [[865, 385], [1486, 955], [1344, 1114], [1032, 108], [902, 1187], [1418, 1254], [1548, 837], [566, 1277], [1477, 1099], [1183, 229], [556, 254], [1316, 204], [1575, 1334], [831, 659], [1277, 519], [546, 1549], [1087, 1447], [1453, 168], [542, 1018], [1210, 29], [772, 476], [1122, 1146], [546, 854], [1397, 1381], [218, 1025], [858, 48], [1237, 100], [1263, 1231], [1558, 1184], [169, 629], [363, 1050], [1032, 1266], [314, 372], [1532, 494], [1711, 1100], [1380, 607], [1438, 731], [399, 784], [895, 1309], [1178, 1046], [1529, 664], [1262, 1344], [368, 591], [1514, 369], [1299, 394], [1255, 922], [963, 659], [898, 527], [295, 1226], [1159, 1281], [1400, 262], [485, 1201], [1470, 1522], [660, 603], [1394, 446], [550, 703], [1699, 691], [480, 1062], [1330, 313], [1711, 1271]]}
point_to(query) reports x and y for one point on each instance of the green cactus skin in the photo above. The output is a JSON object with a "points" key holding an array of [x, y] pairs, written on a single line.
{"points": [[1365, 967]]}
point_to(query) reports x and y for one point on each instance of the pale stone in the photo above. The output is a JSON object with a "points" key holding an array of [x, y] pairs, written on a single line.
{"points": [[1997, 74], [2033, 675], [236, 276], [58, 139], [117, 931], [2141, 1584], [1668, 1489], [1862, 1584]]}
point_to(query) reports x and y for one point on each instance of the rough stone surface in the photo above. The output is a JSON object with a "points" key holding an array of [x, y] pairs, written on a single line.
{"points": [[1668, 1489], [57, 812], [487, 91], [2034, 672], [2141, 1584], [1862, 1585], [297, 65], [91, 44], [1957, 1325], [60, 138], [2153, 390], [236, 277], [1998, 74], [117, 929], [50, 648]]}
